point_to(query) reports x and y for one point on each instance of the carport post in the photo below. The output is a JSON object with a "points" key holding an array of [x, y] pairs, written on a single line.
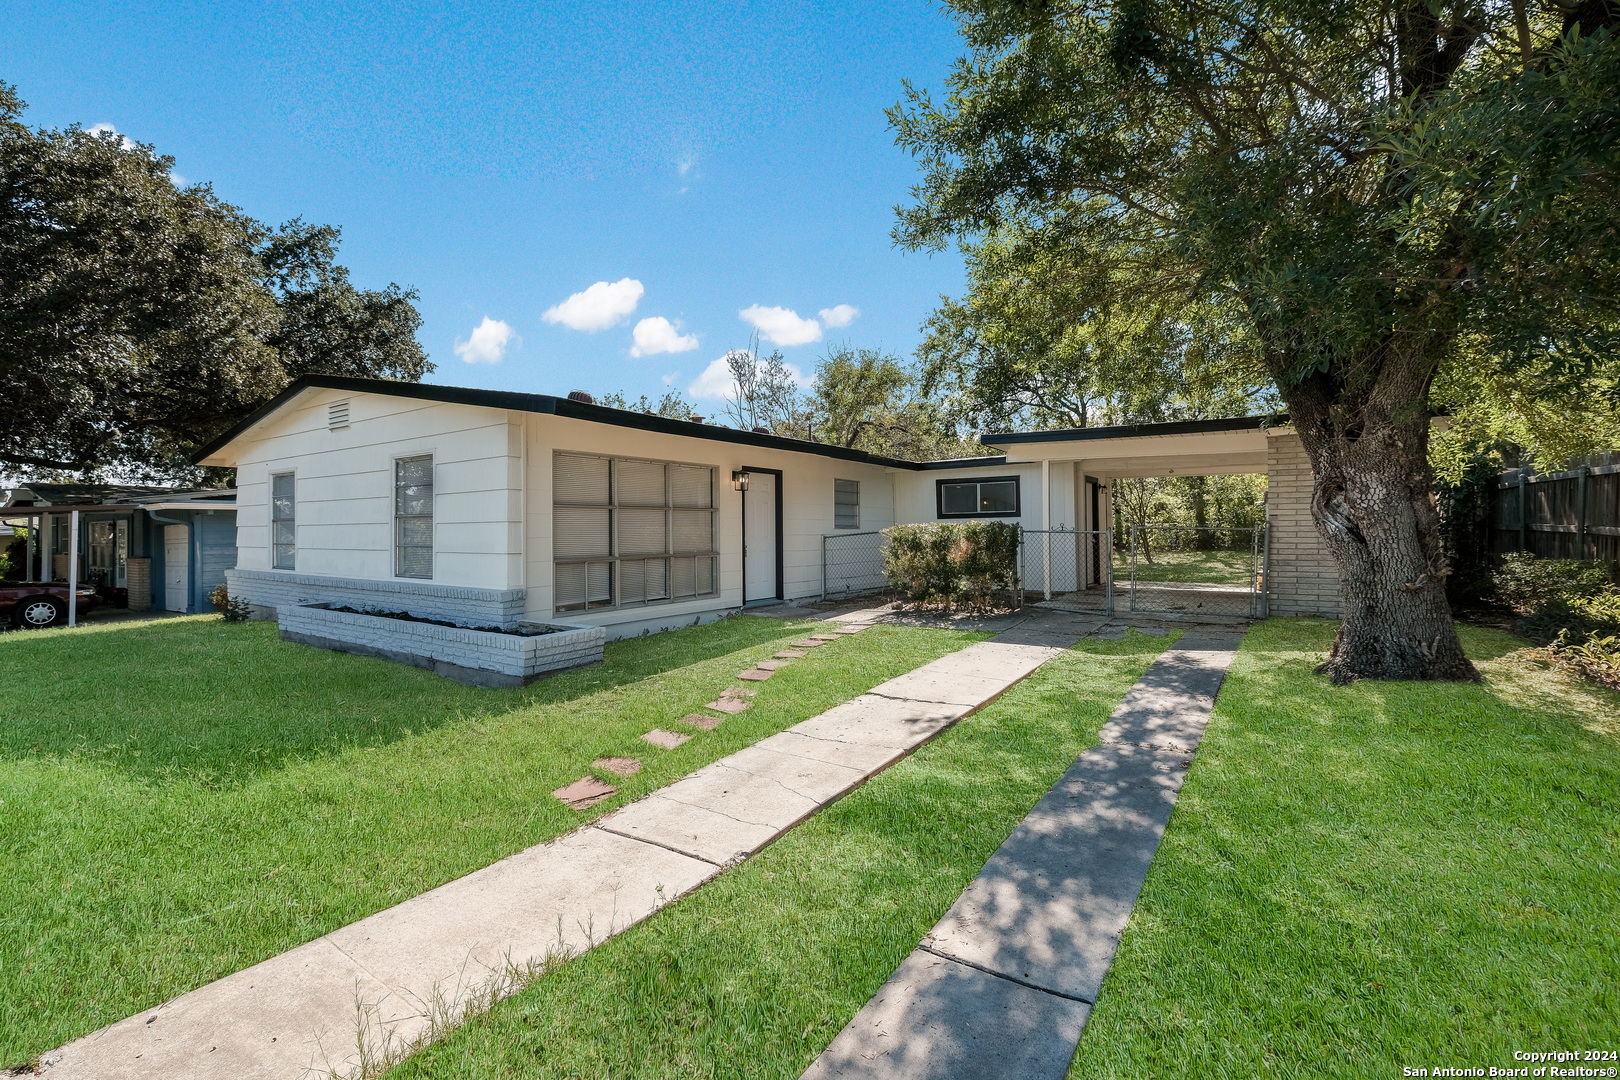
{"points": [[33, 540], [1046, 519], [73, 568]]}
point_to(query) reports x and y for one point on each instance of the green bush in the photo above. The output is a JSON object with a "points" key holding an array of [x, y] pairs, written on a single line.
{"points": [[1597, 658], [230, 608], [954, 564], [1575, 618], [1526, 583]]}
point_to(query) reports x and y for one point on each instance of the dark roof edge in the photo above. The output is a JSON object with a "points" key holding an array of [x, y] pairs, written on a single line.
{"points": [[1131, 431], [963, 462], [546, 404]]}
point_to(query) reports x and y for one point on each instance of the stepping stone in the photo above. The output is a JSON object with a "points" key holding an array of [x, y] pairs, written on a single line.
{"points": [[584, 792], [789, 654], [755, 674], [823, 637], [853, 629], [810, 644], [771, 665], [618, 766], [698, 720], [729, 705], [668, 740]]}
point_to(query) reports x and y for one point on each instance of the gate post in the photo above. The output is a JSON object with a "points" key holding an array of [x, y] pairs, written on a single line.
{"points": [[1108, 568]]}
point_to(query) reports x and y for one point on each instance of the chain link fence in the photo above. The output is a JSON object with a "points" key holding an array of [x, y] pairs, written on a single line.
{"points": [[1197, 570], [852, 564], [1068, 568]]}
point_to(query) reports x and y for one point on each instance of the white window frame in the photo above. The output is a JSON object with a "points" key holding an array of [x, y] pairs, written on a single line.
{"points": [[291, 521], [401, 518], [617, 564]]}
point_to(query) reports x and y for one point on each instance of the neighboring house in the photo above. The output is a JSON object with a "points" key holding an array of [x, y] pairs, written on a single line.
{"points": [[492, 508], [158, 546]]}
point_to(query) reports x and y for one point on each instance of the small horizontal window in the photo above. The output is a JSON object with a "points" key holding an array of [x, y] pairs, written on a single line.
{"points": [[995, 496]]}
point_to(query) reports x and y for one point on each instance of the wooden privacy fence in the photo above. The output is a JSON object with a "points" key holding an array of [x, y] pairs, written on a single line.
{"points": [[1566, 515]]}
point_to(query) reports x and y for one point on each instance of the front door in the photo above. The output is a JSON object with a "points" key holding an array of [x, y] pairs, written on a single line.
{"points": [[762, 541], [176, 567]]}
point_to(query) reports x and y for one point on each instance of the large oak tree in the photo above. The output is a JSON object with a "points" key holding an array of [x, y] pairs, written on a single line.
{"points": [[138, 318], [1383, 193]]}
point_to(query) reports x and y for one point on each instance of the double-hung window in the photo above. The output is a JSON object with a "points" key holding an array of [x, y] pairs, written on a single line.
{"points": [[990, 496], [283, 522], [846, 504], [627, 532], [413, 517]]}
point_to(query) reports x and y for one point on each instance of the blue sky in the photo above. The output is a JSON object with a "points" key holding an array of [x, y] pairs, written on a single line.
{"points": [[504, 157]]}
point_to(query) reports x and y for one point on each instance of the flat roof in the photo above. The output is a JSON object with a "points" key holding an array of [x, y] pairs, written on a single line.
{"points": [[1135, 431], [547, 404]]}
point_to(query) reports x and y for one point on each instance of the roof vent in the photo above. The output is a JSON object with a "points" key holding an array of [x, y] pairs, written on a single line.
{"points": [[695, 419], [337, 415], [581, 396], [761, 430]]}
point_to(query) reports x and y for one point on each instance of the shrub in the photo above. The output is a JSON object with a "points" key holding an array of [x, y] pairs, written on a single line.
{"points": [[952, 564], [230, 608], [1524, 582], [1577, 618], [1597, 658]]}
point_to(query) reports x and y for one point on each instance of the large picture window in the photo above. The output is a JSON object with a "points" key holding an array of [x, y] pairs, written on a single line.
{"points": [[283, 522], [627, 532], [987, 496], [413, 517]]}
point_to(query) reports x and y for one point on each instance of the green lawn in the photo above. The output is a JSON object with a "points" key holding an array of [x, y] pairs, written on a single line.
{"points": [[1208, 567], [180, 799], [754, 974], [1377, 876]]}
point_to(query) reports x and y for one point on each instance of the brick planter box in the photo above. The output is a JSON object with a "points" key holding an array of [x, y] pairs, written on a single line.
{"points": [[475, 657]]}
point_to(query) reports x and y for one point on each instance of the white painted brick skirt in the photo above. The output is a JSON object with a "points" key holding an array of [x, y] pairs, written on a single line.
{"points": [[475, 657]]}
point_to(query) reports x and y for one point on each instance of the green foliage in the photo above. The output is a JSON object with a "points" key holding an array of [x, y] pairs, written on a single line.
{"points": [[868, 400], [138, 318], [1597, 658], [230, 608], [1523, 581], [672, 404], [952, 564]]}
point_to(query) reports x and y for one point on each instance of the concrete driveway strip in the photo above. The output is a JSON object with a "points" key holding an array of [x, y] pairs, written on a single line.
{"points": [[1033, 934], [379, 981]]}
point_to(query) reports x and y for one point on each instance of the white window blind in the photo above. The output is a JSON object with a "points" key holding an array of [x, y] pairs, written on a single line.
{"points": [[846, 504], [283, 523], [627, 532], [413, 517]]}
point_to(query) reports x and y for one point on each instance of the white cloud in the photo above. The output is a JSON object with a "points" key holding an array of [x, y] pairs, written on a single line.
{"points": [[177, 180], [487, 343], [598, 307], [669, 380], [840, 315], [659, 335], [686, 164], [780, 325], [715, 380], [103, 128]]}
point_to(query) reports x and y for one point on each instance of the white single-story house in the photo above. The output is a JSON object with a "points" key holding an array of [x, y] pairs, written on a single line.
{"points": [[495, 508]]}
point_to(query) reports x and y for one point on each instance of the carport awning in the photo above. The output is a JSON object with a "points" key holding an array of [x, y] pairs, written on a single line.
{"points": [[1142, 451]]}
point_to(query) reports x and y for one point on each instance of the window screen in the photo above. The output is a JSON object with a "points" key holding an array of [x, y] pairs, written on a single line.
{"points": [[627, 532], [846, 504], [988, 497], [413, 517], [283, 523]]}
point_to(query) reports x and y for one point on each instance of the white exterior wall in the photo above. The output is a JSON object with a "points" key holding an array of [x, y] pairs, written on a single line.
{"points": [[344, 488], [807, 512], [916, 500]]}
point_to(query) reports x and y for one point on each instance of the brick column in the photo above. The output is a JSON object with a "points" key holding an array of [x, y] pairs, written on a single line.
{"points": [[1303, 577]]}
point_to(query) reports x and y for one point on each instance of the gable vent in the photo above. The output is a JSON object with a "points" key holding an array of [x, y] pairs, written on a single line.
{"points": [[337, 415]]}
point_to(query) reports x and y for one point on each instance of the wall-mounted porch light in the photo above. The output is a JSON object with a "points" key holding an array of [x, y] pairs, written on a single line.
{"points": [[739, 481]]}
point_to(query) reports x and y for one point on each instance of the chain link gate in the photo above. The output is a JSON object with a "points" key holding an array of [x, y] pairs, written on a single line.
{"points": [[1070, 569], [1198, 570], [852, 564]]}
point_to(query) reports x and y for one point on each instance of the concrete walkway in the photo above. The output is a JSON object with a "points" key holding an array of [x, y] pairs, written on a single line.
{"points": [[1003, 984], [367, 993]]}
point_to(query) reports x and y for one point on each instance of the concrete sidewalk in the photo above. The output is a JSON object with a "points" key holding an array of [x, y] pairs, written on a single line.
{"points": [[1004, 983], [370, 990]]}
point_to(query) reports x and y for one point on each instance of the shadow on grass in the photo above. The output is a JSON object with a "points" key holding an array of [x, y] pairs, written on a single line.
{"points": [[219, 703]]}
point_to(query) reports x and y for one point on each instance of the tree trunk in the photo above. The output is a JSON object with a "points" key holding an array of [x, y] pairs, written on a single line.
{"points": [[1374, 506]]}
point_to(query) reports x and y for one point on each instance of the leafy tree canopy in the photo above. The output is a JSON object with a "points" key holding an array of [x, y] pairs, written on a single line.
{"points": [[138, 319], [1379, 201]]}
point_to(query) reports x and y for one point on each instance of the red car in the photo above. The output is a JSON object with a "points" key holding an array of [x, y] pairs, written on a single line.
{"points": [[34, 605]]}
